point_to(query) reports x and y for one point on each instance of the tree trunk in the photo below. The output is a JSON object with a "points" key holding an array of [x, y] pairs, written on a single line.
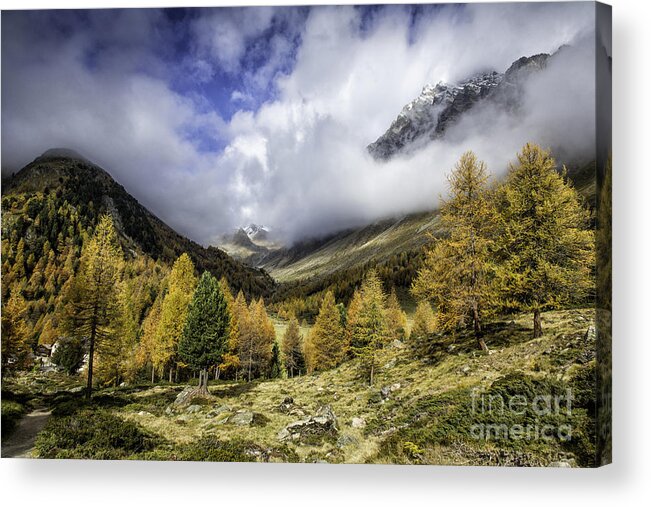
{"points": [[176, 375], [170, 375], [202, 389], [91, 353], [250, 361], [477, 328], [217, 372], [537, 324], [153, 371]]}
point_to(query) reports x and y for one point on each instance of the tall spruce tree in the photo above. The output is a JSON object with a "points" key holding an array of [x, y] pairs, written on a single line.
{"points": [[275, 366], [93, 304], [205, 335], [547, 250], [328, 344], [457, 273]]}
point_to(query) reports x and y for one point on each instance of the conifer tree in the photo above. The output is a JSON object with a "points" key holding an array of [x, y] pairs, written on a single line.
{"points": [[327, 338], [93, 297], [174, 311], [263, 338], [292, 347], [148, 346], [205, 334], [353, 319], [396, 318], [547, 250], [231, 360], [15, 333], [457, 273], [275, 366], [372, 331], [423, 326]]}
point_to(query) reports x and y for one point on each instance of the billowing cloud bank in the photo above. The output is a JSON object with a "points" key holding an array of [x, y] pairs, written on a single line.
{"points": [[307, 90]]}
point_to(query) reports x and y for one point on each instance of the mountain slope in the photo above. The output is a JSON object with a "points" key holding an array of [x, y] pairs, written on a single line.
{"points": [[439, 106], [352, 248], [67, 178]]}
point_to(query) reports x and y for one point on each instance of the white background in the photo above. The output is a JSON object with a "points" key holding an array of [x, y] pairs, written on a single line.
{"points": [[627, 481]]}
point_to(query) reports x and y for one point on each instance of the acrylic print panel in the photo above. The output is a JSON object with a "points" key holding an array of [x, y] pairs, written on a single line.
{"points": [[343, 234]]}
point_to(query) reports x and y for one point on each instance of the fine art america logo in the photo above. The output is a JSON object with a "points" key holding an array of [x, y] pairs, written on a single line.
{"points": [[518, 417]]}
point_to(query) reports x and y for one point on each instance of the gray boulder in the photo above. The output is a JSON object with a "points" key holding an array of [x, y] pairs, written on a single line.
{"points": [[324, 422], [184, 396], [244, 418]]}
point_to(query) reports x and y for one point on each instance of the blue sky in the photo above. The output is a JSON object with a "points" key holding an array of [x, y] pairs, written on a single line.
{"points": [[217, 117]]}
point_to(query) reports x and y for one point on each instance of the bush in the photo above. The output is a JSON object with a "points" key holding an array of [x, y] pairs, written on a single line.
{"points": [[12, 411], [463, 417], [69, 355], [89, 434], [209, 448]]}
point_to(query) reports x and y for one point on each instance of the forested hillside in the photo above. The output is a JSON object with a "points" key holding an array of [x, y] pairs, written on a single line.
{"points": [[49, 211]]}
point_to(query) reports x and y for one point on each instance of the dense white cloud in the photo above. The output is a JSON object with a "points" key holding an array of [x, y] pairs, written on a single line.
{"points": [[299, 162]]}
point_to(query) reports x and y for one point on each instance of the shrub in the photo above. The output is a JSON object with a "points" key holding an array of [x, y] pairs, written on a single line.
{"points": [[12, 411], [93, 435], [69, 355]]}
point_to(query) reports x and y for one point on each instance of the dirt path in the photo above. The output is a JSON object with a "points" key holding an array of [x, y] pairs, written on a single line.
{"points": [[21, 441]]}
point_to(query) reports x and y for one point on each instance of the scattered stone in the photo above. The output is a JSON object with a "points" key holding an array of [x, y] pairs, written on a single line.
{"points": [[451, 349], [322, 423], [169, 410], [184, 396], [358, 422], [590, 334], [394, 387], [77, 389], [560, 464], [221, 409], [465, 370], [345, 440], [244, 418], [193, 409], [397, 344], [143, 413], [390, 364], [124, 384], [286, 405], [385, 391]]}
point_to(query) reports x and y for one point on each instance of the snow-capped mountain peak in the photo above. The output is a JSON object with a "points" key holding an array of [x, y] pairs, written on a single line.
{"points": [[439, 105]]}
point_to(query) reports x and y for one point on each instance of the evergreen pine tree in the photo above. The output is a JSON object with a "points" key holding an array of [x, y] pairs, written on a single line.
{"points": [[275, 367], [205, 334]]}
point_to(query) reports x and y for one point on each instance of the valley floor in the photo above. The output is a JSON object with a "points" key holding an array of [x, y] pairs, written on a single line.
{"points": [[416, 412]]}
